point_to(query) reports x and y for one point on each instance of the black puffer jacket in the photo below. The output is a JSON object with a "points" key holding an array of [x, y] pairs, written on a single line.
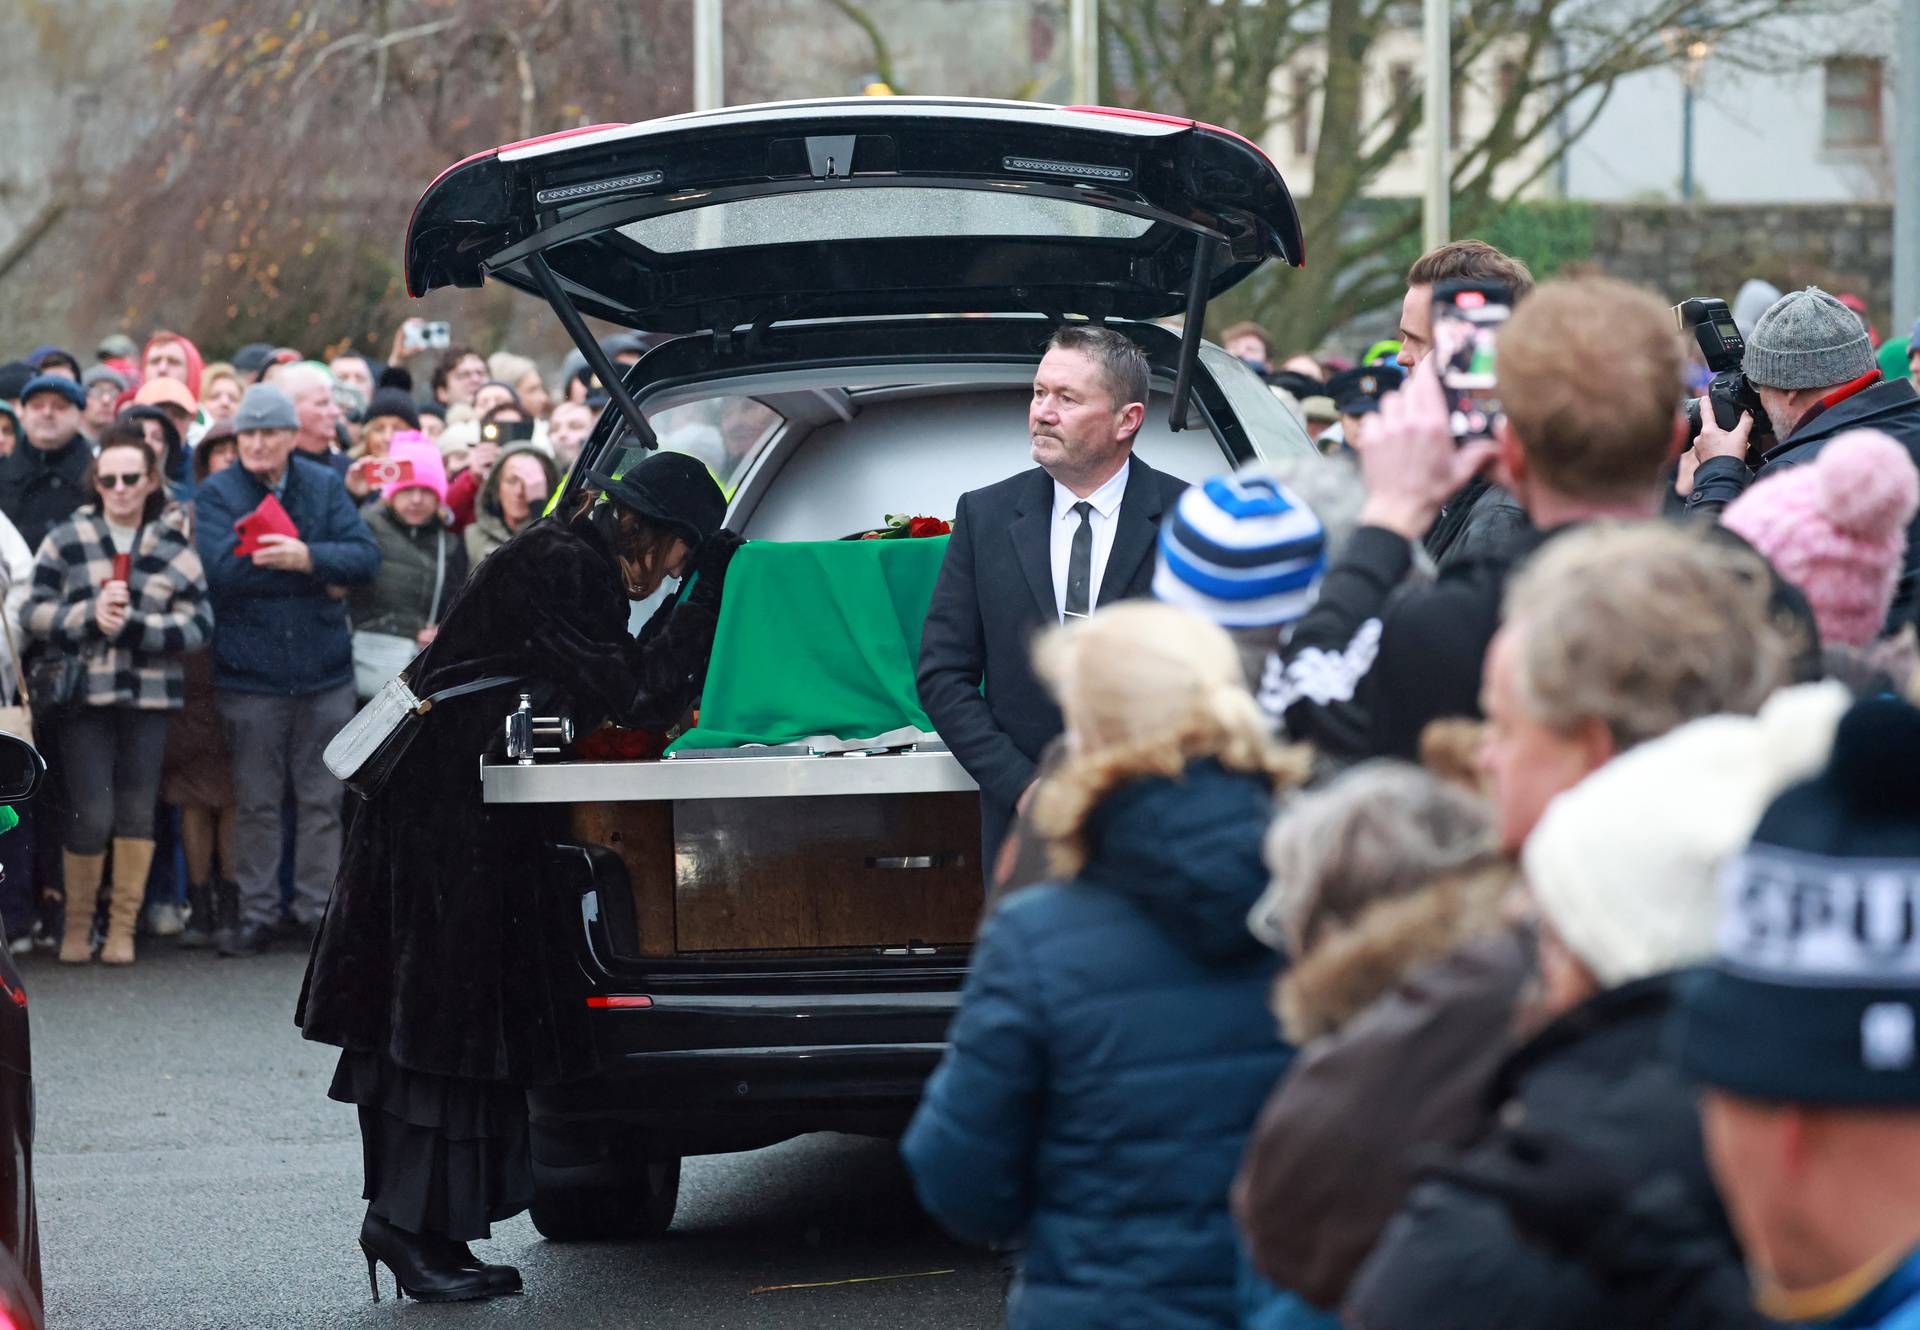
{"points": [[1892, 407], [1587, 1205]]}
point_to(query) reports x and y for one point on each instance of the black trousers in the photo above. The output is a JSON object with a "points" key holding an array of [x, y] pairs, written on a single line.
{"points": [[442, 1155], [111, 760]]}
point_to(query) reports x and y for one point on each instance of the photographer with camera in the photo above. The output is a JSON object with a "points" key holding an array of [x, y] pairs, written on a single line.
{"points": [[1810, 366], [1384, 652]]}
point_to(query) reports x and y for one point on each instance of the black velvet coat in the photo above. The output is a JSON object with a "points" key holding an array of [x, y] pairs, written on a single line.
{"points": [[437, 949]]}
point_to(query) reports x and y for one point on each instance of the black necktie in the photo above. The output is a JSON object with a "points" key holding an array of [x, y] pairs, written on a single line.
{"points": [[1080, 562]]}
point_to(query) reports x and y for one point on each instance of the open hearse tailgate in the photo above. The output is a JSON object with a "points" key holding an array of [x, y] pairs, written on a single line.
{"points": [[861, 206]]}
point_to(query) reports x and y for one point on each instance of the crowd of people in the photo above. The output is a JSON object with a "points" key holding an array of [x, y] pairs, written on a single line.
{"points": [[207, 565], [1482, 890], [1452, 880]]}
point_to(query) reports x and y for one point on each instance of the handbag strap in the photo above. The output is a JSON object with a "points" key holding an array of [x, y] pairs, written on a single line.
{"points": [[439, 575], [461, 690]]}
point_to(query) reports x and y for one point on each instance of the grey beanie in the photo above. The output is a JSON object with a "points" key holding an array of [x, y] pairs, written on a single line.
{"points": [[265, 407], [1807, 339], [103, 374]]}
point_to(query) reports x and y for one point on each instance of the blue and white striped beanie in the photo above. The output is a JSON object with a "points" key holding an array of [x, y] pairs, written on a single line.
{"points": [[1242, 551]]}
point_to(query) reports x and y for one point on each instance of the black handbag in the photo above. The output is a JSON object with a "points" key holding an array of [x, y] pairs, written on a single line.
{"points": [[55, 682]]}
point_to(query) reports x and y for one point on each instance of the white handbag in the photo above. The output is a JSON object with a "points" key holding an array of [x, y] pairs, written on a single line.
{"points": [[377, 658], [368, 747]]}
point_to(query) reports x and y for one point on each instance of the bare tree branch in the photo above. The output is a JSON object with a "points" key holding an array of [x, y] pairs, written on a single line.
{"points": [[876, 41], [1231, 62]]}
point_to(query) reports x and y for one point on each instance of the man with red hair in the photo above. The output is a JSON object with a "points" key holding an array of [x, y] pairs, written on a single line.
{"points": [[171, 356]]}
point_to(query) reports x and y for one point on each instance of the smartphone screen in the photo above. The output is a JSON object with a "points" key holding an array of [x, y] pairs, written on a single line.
{"points": [[1466, 317], [507, 431]]}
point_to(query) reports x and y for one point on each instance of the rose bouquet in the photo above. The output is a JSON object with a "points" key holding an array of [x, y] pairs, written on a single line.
{"points": [[901, 526]]}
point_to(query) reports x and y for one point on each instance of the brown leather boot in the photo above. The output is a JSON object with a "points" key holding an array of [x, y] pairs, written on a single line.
{"points": [[83, 891], [131, 860]]}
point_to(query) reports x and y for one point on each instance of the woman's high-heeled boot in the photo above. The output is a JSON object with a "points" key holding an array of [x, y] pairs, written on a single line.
{"points": [[506, 1277], [131, 861], [425, 1268], [83, 893]]}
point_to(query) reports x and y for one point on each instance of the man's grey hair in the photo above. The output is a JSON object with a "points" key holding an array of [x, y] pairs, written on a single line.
{"points": [[298, 377], [1123, 365]]}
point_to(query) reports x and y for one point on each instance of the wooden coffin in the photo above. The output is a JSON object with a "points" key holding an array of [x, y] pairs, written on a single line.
{"points": [[796, 874]]}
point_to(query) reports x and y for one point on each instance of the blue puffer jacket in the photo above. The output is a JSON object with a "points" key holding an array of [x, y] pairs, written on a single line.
{"points": [[1111, 1053], [280, 632]]}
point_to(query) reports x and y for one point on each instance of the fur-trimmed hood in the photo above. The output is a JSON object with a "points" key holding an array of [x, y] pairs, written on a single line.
{"points": [[1347, 971]]}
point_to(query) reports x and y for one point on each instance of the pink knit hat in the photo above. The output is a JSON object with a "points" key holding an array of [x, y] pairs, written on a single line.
{"points": [[1837, 529], [429, 472]]}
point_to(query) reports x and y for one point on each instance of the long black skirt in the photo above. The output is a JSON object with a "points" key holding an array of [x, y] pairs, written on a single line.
{"points": [[443, 1155]]}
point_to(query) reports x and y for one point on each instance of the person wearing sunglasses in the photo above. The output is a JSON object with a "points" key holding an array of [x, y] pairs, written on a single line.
{"points": [[118, 599]]}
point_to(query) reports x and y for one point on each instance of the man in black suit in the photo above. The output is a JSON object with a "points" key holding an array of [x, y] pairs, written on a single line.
{"points": [[1075, 533]]}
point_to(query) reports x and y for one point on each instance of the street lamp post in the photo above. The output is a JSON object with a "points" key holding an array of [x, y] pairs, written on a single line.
{"points": [[1694, 50], [1083, 38], [709, 61], [1906, 149], [1436, 216]]}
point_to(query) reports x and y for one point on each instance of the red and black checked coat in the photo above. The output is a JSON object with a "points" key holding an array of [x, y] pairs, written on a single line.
{"points": [[141, 667]]}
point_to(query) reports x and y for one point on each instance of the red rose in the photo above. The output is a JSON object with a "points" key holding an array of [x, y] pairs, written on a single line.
{"points": [[920, 527]]}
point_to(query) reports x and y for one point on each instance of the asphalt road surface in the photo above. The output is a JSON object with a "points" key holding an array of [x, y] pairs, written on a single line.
{"points": [[192, 1173]]}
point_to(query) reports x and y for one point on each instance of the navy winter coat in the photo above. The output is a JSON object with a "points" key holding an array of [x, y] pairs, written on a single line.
{"points": [[1111, 1053], [280, 632]]}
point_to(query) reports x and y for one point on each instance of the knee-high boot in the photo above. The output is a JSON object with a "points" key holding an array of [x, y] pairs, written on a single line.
{"points": [[131, 861], [82, 872]]}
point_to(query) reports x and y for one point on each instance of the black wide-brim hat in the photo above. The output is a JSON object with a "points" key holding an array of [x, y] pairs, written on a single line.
{"points": [[671, 490]]}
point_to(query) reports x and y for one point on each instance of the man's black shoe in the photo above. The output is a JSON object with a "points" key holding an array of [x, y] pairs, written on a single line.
{"points": [[246, 940]]}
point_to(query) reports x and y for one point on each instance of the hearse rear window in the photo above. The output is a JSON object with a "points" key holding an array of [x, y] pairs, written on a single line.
{"points": [[723, 432], [879, 212]]}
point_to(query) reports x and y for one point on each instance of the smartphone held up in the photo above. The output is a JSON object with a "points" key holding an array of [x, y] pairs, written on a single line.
{"points": [[380, 471], [1467, 316], [424, 335]]}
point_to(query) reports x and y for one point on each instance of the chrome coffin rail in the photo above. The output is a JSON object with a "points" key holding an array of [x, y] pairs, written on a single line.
{"points": [[724, 778]]}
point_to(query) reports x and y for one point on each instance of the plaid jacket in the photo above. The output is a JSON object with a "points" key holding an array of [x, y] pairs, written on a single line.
{"points": [[171, 614]]}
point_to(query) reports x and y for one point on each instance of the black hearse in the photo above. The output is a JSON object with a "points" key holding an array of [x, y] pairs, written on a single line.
{"points": [[774, 940]]}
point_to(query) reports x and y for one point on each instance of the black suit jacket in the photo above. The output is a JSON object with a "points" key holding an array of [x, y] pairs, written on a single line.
{"points": [[995, 592]]}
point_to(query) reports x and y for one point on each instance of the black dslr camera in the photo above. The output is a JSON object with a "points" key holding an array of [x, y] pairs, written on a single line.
{"points": [[1721, 345]]}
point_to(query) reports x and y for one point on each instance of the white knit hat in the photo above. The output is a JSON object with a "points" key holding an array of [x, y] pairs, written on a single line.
{"points": [[1625, 865]]}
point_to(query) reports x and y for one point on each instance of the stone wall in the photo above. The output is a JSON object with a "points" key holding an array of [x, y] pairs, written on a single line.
{"points": [[1710, 250]]}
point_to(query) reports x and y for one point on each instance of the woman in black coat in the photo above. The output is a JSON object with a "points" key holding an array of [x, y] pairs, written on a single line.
{"points": [[436, 969]]}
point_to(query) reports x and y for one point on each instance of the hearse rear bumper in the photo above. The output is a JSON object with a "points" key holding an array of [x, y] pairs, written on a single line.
{"points": [[715, 1073]]}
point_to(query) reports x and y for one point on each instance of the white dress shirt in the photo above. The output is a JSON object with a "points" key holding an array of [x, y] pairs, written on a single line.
{"points": [[1106, 511]]}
